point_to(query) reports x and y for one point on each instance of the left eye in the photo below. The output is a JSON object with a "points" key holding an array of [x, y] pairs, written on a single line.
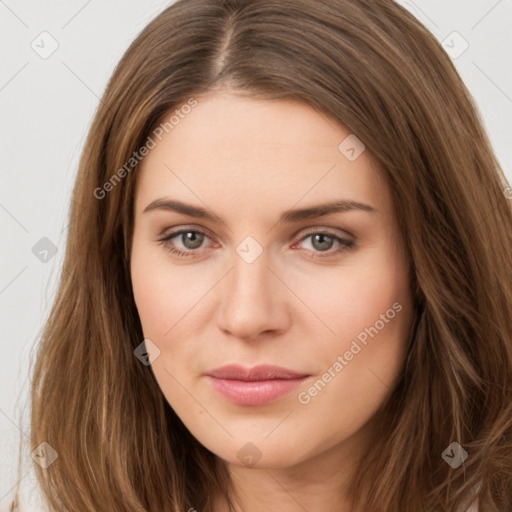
{"points": [[321, 241], [192, 241]]}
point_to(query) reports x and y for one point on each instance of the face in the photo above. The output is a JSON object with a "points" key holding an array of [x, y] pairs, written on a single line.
{"points": [[223, 276]]}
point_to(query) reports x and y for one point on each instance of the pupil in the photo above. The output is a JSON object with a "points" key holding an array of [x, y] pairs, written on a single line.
{"points": [[193, 237], [323, 237]]}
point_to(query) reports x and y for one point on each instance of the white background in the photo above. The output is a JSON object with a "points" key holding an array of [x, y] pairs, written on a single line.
{"points": [[47, 107]]}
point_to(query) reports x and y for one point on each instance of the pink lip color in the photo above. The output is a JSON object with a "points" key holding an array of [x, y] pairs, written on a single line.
{"points": [[257, 386]]}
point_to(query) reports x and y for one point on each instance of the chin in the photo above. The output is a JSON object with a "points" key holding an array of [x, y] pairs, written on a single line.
{"points": [[260, 455]]}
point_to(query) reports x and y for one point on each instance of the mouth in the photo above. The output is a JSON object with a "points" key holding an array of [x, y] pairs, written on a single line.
{"points": [[256, 386]]}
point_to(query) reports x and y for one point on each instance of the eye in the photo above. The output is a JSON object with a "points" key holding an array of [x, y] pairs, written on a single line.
{"points": [[192, 241], [323, 241]]}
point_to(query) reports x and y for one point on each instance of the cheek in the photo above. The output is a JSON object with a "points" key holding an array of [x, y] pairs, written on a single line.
{"points": [[369, 308], [353, 296], [164, 295], [173, 306], [163, 292], [359, 369], [153, 305]]}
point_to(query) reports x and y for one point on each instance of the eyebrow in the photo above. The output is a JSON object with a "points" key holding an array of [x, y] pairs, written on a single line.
{"points": [[289, 216]]}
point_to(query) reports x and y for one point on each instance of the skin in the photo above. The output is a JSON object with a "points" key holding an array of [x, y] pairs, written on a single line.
{"points": [[247, 161]]}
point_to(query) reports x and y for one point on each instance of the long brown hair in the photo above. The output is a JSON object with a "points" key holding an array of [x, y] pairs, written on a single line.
{"points": [[372, 66]]}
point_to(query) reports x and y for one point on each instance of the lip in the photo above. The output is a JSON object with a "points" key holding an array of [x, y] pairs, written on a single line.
{"points": [[255, 386]]}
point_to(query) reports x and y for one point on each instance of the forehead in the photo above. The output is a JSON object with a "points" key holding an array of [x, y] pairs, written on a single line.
{"points": [[256, 152]]}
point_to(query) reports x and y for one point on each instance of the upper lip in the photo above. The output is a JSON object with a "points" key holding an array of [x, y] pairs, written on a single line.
{"points": [[261, 372]]}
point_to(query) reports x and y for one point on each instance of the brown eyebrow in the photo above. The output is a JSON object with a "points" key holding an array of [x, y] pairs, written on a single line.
{"points": [[289, 216]]}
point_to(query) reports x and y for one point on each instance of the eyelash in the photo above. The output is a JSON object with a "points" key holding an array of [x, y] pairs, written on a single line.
{"points": [[345, 245]]}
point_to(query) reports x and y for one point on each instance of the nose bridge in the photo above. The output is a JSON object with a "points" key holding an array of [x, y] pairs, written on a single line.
{"points": [[250, 278], [250, 281], [249, 302]]}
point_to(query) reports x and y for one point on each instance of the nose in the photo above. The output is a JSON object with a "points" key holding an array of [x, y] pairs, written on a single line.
{"points": [[253, 301]]}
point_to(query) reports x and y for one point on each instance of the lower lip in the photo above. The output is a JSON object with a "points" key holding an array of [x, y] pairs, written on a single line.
{"points": [[259, 392]]}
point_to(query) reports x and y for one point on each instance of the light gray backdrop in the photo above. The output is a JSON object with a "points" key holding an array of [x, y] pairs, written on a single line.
{"points": [[57, 57]]}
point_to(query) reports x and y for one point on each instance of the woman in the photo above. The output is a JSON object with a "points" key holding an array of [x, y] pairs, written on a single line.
{"points": [[333, 332]]}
